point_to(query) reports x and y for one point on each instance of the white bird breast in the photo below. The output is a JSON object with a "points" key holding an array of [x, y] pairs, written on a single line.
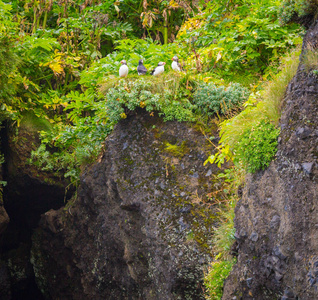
{"points": [[159, 70], [175, 66], [123, 71]]}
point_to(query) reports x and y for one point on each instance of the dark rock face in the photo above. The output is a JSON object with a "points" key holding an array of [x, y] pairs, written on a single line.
{"points": [[4, 218], [28, 194], [277, 218], [140, 227]]}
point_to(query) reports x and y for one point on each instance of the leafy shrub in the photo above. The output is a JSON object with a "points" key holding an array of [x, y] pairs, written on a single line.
{"points": [[9, 59], [237, 42], [211, 99], [292, 8], [128, 95], [65, 149], [257, 146], [214, 280]]}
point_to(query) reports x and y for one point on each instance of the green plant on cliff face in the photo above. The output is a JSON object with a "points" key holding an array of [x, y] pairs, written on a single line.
{"points": [[292, 8], [214, 280], [211, 99], [223, 236], [257, 146]]}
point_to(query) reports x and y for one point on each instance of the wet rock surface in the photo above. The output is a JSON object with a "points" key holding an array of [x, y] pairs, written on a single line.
{"points": [[140, 227], [280, 205]]}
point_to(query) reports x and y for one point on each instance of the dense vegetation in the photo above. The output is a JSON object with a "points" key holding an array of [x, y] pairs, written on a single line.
{"points": [[59, 64]]}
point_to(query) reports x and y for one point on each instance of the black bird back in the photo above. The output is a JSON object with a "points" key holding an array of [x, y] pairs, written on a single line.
{"points": [[141, 69]]}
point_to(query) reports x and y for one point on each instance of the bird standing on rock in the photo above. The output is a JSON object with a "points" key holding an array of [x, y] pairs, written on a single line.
{"points": [[141, 69], [123, 70], [159, 69], [175, 64]]}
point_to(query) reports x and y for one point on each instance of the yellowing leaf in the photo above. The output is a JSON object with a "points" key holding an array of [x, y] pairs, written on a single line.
{"points": [[56, 67], [241, 27], [207, 79], [173, 4]]}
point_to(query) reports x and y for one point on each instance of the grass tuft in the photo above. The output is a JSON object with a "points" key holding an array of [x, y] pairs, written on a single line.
{"points": [[310, 58]]}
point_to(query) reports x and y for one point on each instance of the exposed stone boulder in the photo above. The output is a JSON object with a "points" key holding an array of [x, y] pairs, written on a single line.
{"points": [[277, 219], [141, 225]]}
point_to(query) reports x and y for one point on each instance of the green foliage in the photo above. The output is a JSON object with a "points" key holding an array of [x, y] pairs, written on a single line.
{"points": [[171, 101], [65, 149], [223, 236], [261, 108], [8, 63], [214, 280], [238, 42], [213, 100], [61, 62], [257, 146], [290, 9], [8, 57], [159, 20]]}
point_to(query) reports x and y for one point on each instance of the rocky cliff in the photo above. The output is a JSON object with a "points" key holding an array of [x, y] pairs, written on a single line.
{"points": [[277, 218], [28, 194], [140, 227]]}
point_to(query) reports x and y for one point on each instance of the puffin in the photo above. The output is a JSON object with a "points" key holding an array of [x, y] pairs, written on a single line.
{"points": [[141, 69], [175, 64], [159, 69], [123, 70]]}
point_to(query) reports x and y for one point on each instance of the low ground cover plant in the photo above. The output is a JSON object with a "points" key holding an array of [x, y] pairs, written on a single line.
{"points": [[212, 99]]}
